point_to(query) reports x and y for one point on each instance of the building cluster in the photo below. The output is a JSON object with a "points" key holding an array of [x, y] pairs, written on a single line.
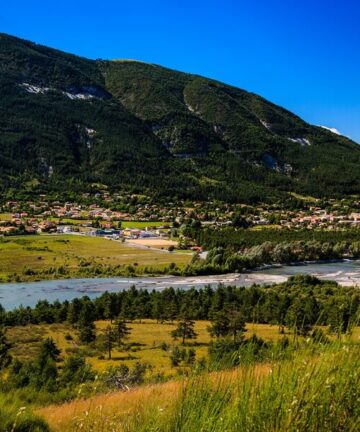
{"points": [[107, 216]]}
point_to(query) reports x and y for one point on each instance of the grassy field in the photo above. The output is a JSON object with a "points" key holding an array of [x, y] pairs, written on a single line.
{"points": [[69, 221], [75, 253], [146, 339], [307, 198], [147, 335], [141, 225], [313, 390], [100, 411], [264, 227], [308, 393], [5, 216]]}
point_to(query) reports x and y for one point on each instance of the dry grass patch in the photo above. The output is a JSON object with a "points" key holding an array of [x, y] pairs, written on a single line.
{"points": [[153, 242], [101, 411]]}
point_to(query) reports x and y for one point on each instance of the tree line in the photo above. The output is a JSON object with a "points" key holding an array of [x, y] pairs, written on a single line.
{"points": [[301, 300]]}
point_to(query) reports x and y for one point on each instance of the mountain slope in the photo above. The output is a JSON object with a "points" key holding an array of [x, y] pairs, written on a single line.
{"points": [[69, 122]]}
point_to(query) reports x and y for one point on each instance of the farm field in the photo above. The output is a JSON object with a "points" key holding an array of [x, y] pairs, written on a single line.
{"points": [[31, 257], [158, 243], [5, 216]]}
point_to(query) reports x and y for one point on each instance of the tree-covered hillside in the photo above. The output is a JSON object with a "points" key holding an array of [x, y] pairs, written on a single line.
{"points": [[69, 122]]}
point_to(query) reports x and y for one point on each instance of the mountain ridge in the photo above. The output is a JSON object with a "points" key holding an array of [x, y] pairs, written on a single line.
{"points": [[141, 127]]}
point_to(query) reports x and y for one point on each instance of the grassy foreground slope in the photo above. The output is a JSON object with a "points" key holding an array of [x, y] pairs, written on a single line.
{"points": [[29, 258], [308, 393]]}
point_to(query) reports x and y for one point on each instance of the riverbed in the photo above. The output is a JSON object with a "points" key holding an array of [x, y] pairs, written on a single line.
{"points": [[27, 294]]}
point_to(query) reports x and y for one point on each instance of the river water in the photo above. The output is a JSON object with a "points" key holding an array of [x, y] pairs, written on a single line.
{"points": [[27, 294]]}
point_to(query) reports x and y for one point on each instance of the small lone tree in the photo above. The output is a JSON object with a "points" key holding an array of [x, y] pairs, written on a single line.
{"points": [[5, 357], [109, 339], [121, 330], [190, 356], [184, 330], [175, 356], [45, 373], [49, 350]]}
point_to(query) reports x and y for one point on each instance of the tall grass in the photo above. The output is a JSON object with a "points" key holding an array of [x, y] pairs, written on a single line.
{"points": [[17, 418], [309, 392]]}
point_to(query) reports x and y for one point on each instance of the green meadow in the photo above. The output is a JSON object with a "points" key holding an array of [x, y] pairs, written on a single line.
{"points": [[39, 257]]}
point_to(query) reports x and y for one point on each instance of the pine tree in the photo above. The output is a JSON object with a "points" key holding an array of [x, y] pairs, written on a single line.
{"points": [[109, 339], [121, 330], [298, 319], [49, 350], [185, 330], [87, 332], [5, 357], [86, 326], [74, 311], [220, 325], [237, 326]]}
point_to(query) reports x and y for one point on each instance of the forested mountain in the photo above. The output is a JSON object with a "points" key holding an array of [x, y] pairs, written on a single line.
{"points": [[69, 123]]}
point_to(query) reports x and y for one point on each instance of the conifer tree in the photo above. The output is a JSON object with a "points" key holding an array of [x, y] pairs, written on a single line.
{"points": [[121, 330], [5, 357], [185, 329]]}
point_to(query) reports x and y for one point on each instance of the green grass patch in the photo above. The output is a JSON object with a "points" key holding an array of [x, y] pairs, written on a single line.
{"points": [[142, 225], [58, 256], [5, 216]]}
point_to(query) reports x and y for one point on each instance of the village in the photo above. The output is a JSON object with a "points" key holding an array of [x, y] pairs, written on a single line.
{"points": [[137, 218]]}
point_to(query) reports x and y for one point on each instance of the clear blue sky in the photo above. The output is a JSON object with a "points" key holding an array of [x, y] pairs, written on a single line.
{"points": [[301, 54]]}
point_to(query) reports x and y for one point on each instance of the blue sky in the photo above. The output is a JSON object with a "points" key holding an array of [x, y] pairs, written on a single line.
{"points": [[301, 54]]}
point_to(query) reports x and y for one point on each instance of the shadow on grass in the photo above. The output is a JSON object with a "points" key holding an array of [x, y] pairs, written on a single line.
{"points": [[124, 357]]}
